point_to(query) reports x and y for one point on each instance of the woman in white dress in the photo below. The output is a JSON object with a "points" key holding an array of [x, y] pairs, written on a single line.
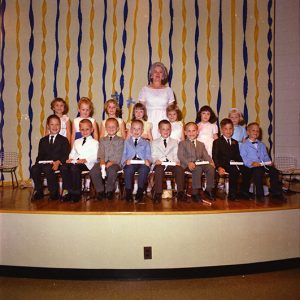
{"points": [[157, 96]]}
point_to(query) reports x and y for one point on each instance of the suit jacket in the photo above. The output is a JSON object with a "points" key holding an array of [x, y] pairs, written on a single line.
{"points": [[87, 151], [250, 153], [160, 152], [188, 152], [58, 151], [111, 150], [223, 153], [142, 150]]}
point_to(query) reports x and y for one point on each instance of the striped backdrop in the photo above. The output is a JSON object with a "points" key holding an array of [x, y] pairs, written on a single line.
{"points": [[218, 53]]}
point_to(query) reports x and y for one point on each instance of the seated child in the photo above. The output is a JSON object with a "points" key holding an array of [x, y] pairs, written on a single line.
{"points": [[191, 151], [82, 157], [52, 147], [254, 154], [164, 149], [109, 156], [138, 149], [226, 149], [239, 132]]}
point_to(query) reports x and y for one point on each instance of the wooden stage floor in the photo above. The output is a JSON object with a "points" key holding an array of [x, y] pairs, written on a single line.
{"points": [[19, 201]]}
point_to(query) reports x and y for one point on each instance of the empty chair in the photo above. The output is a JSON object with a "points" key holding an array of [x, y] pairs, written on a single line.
{"points": [[9, 163]]}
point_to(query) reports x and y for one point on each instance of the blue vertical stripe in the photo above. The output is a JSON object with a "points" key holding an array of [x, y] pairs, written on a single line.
{"points": [[270, 69], [104, 58], [123, 58], [170, 42], [79, 41], [245, 58], [56, 63], [149, 36], [220, 59], [31, 87], [196, 57]]}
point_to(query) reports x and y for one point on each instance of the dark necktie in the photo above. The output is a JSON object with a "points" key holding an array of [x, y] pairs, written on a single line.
{"points": [[228, 142], [51, 139], [194, 143], [135, 142], [84, 140], [110, 138], [165, 143]]}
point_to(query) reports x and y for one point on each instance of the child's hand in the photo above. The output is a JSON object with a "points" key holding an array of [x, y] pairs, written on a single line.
{"points": [[81, 161], [212, 164], [158, 162], [221, 171], [191, 165], [147, 162], [69, 161], [55, 165], [109, 164], [127, 162], [255, 164], [177, 163]]}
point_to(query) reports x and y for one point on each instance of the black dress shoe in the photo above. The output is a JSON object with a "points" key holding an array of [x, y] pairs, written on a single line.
{"points": [[278, 197], [139, 195], [128, 196], [157, 197], [180, 196], [196, 197], [260, 198], [101, 195], [232, 197], [54, 196], [244, 195], [210, 195], [110, 195], [66, 198], [38, 196], [75, 197]]}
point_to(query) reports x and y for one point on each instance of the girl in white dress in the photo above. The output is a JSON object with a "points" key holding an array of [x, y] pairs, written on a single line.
{"points": [[112, 109], [140, 113], [157, 96], [175, 117], [208, 130], [60, 108]]}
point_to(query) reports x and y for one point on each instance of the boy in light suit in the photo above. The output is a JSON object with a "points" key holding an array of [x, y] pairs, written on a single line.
{"points": [[189, 152], [83, 156], [136, 148], [109, 156], [255, 157], [165, 149]]}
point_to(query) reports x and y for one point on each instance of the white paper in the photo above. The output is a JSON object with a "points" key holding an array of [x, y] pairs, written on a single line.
{"points": [[236, 163], [203, 162], [266, 163], [45, 161], [168, 163], [137, 162]]}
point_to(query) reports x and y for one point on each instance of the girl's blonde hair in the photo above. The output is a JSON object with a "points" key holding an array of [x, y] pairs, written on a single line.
{"points": [[237, 111], [140, 106], [118, 110], [86, 100], [174, 107]]}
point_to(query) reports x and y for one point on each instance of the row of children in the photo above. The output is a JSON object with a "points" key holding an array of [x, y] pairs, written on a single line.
{"points": [[112, 153]]}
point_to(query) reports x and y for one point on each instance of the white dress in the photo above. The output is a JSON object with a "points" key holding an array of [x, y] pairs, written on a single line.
{"points": [[156, 102], [206, 132], [176, 133], [63, 125]]}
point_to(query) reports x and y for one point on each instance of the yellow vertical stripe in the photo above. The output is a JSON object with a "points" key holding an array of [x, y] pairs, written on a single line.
{"points": [[183, 75], [68, 46], [256, 59], [114, 56], [208, 51], [233, 25], [43, 68], [132, 57], [160, 29], [91, 66], [18, 95]]}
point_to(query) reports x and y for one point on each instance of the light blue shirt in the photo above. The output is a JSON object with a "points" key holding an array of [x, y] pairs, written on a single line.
{"points": [[239, 133]]}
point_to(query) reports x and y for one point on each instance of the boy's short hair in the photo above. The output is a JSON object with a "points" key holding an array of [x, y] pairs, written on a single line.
{"points": [[87, 101], [112, 120], [58, 99], [137, 122], [189, 124], [225, 121], [118, 110], [174, 107], [164, 122], [86, 121], [52, 117], [252, 124]]}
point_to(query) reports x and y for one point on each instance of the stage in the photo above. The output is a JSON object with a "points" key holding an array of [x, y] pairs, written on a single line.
{"points": [[112, 235]]}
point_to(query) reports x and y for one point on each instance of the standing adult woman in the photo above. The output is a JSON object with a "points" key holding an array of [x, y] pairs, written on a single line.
{"points": [[157, 96]]}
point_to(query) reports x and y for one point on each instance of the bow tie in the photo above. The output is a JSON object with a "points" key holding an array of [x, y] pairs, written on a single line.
{"points": [[254, 142]]}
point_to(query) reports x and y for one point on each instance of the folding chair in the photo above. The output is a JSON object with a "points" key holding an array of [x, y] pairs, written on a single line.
{"points": [[8, 164]]}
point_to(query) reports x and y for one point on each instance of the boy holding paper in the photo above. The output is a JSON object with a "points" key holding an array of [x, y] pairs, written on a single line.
{"points": [[257, 160], [136, 158], [164, 155], [227, 158], [194, 157], [53, 151]]}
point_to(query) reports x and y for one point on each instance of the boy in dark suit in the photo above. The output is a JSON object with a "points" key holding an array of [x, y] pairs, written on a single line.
{"points": [[136, 148], [164, 149], [191, 151], [53, 151], [109, 156], [225, 150]]}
